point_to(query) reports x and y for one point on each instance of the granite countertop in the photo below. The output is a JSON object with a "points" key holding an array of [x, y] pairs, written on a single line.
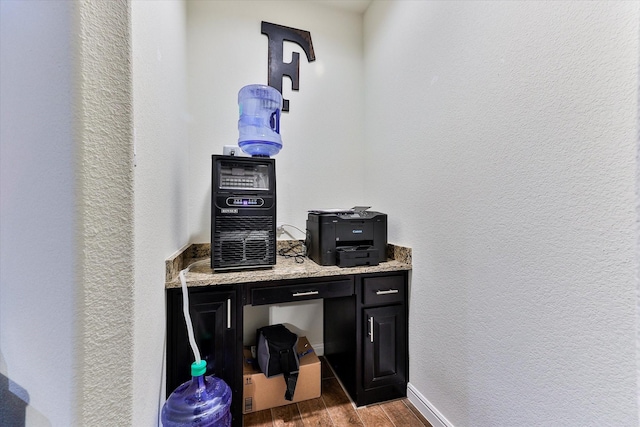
{"points": [[398, 258]]}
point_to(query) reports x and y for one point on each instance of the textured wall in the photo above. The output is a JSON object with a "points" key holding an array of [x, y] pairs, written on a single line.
{"points": [[105, 203], [511, 127], [67, 212]]}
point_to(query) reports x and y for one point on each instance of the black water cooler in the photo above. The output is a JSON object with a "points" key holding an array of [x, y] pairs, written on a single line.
{"points": [[243, 212]]}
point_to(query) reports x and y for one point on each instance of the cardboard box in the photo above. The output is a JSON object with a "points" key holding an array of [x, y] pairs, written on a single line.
{"points": [[260, 392]]}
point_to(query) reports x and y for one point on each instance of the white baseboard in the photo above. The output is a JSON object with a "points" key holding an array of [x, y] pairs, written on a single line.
{"points": [[427, 409], [318, 349]]}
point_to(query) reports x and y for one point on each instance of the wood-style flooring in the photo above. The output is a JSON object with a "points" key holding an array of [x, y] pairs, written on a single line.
{"points": [[334, 408]]}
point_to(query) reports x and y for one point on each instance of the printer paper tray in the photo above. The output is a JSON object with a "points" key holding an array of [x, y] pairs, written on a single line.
{"points": [[354, 256]]}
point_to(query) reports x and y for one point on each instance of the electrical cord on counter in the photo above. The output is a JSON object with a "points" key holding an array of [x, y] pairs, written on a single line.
{"points": [[297, 251]]}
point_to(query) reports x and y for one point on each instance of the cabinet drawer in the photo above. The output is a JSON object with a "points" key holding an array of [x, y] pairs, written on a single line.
{"points": [[301, 292], [383, 290]]}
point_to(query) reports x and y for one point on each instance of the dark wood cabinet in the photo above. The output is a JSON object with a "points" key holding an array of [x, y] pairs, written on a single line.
{"points": [[298, 290], [217, 329], [366, 338], [365, 331], [383, 347]]}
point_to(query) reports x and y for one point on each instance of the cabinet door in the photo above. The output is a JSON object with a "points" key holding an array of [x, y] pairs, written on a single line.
{"points": [[384, 346], [211, 325], [214, 330]]}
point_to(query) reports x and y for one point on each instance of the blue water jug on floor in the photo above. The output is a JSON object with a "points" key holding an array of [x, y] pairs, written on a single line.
{"points": [[259, 123], [204, 401]]}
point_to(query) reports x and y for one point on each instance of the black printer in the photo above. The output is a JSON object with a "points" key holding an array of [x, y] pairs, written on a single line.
{"points": [[347, 238]]}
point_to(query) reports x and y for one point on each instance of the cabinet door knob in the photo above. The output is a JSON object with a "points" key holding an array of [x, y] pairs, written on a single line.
{"points": [[229, 313], [371, 328], [390, 291], [304, 294]]}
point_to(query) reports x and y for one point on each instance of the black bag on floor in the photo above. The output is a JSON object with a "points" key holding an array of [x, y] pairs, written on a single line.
{"points": [[277, 354]]}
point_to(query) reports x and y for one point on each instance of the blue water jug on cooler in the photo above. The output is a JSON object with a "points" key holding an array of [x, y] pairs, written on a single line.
{"points": [[259, 123], [204, 401]]}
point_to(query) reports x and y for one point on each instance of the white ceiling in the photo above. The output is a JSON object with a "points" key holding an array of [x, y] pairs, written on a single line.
{"points": [[358, 6]]}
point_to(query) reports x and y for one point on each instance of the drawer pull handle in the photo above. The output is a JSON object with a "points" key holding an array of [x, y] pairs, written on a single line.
{"points": [[229, 313], [390, 291], [304, 294], [371, 328]]}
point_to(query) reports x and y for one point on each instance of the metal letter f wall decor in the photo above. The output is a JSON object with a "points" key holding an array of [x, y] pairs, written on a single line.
{"points": [[277, 67]]}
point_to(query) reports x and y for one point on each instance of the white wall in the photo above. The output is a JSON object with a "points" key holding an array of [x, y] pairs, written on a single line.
{"points": [[320, 164], [161, 184], [38, 317], [67, 212], [510, 129], [500, 136]]}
